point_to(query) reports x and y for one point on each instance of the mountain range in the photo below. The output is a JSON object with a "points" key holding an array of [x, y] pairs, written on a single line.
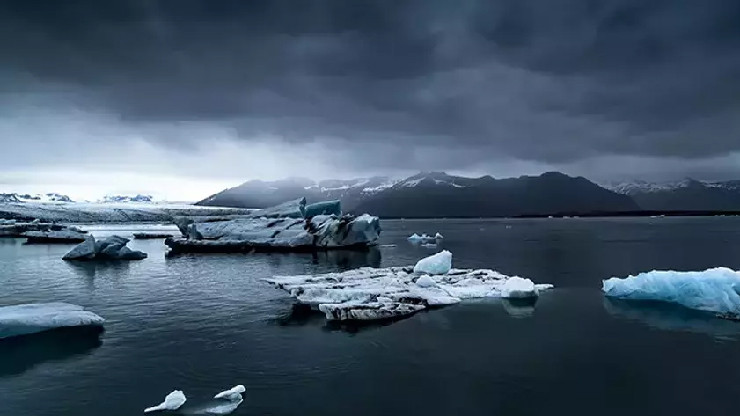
{"points": [[686, 195], [437, 194]]}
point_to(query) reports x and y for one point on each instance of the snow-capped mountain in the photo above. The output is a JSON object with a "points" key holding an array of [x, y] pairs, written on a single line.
{"points": [[260, 194], [430, 194], [685, 195], [126, 198], [48, 197]]}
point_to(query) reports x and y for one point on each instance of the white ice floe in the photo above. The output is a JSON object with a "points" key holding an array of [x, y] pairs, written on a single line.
{"points": [[424, 238], [715, 290], [439, 263], [234, 393], [37, 317], [172, 401], [394, 292]]}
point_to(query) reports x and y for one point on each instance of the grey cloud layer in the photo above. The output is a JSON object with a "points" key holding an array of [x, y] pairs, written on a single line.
{"points": [[552, 82]]}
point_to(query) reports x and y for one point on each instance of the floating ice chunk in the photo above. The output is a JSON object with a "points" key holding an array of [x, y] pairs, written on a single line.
{"points": [[172, 401], [392, 292], [425, 281], [424, 238], [517, 287], [715, 290], [110, 248], [38, 317], [439, 263], [82, 251], [234, 393]]}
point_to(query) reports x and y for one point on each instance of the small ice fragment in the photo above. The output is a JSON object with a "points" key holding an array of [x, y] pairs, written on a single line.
{"points": [[425, 281], [234, 393], [172, 401]]}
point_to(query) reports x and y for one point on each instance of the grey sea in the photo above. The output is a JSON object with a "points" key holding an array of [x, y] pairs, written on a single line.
{"points": [[203, 323]]}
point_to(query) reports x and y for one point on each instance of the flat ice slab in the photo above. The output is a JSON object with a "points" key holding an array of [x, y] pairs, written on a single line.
{"points": [[38, 317], [393, 292], [714, 290]]}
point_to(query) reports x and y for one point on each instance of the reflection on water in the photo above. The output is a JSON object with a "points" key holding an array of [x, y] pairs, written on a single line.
{"points": [[214, 408], [342, 259], [301, 315], [669, 317], [20, 354], [89, 269], [519, 308], [349, 259]]}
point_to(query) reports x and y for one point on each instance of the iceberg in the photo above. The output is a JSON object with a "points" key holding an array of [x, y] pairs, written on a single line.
{"points": [[234, 393], [714, 290], [38, 317], [368, 294], [261, 232], [439, 263], [172, 401], [109, 248]]}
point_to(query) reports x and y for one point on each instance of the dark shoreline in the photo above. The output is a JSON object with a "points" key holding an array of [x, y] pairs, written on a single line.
{"points": [[596, 214]]}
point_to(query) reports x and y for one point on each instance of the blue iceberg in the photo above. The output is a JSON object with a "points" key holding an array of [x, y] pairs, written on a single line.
{"points": [[714, 290]]}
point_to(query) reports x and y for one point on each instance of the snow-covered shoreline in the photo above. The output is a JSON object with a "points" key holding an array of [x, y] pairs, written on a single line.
{"points": [[108, 212]]}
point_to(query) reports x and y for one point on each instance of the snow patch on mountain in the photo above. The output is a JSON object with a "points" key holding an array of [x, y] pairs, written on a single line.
{"points": [[641, 186]]}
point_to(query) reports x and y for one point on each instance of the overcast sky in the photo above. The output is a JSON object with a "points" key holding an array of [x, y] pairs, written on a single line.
{"points": [[182, 98]]}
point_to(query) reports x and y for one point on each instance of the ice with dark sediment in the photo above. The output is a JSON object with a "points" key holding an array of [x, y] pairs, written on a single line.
{"points": [[279, 228], [109, 248], [367, 294]]}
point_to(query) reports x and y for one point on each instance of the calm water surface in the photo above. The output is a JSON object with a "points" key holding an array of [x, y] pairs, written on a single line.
{"points": [[203, 323]]}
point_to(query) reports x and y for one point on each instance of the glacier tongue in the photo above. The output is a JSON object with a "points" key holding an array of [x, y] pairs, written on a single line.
{"points": [[714, 290]]}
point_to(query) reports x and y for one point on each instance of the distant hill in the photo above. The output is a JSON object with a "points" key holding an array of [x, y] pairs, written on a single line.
{"points": [[127, 198], [686, 195], [48, 197], [437, 194]]}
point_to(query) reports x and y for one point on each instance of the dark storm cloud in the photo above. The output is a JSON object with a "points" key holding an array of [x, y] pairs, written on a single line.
{"points": [[547, 81]]}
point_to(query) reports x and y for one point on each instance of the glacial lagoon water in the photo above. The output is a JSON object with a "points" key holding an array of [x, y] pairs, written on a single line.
{"points": [[203, 323]]}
